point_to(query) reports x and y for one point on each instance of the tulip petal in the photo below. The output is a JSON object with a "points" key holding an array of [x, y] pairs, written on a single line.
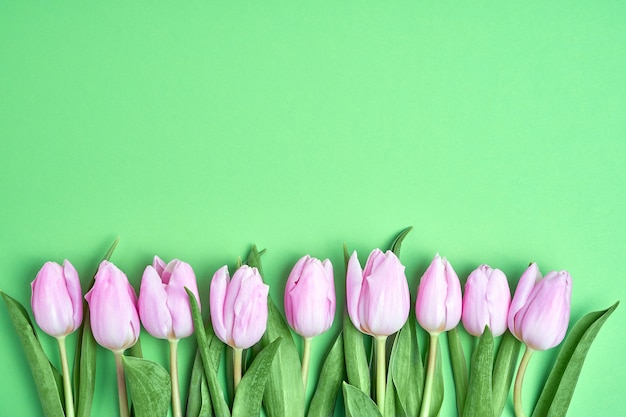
{"points": [[74, 291], [430, 305], [219, 286], [374, 260], [178, 300], [50, 302], [475, 312], [292, 283], [543, 320], [524, 287], [112, 305], [311, 304], [354, 284], [152, 304], [498, 300], [250, 310], [384, 303], [158, 264], [453, 302]]}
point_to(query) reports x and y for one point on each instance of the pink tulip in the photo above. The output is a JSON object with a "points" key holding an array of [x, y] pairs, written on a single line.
{"points": [[163, 302], [378, 297], [57, 300], [238, 306], [438, 305], [540, 310], [310, 297], [486, 301], [113, 309]]}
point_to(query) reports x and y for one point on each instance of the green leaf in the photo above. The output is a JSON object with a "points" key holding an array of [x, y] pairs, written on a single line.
{"points": [[149, 385], [209, 349], [84, 367], [357, 403], [284, 393], [479, 401], [405, 379], [559, 388], [249, 395], [357, 367], [459, 368], [135, 350], [504, 370], [198, 398], [85, 355], [393, 404], [43, 372], [397, 242], [329, 383], [252, 261]]}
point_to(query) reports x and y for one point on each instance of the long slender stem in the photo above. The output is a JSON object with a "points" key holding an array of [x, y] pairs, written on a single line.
{"points": [[121, 383], [176, 408], [381, 373], [519, 380], [237, 357], [306, 359], [67, 382], [430, 374]]}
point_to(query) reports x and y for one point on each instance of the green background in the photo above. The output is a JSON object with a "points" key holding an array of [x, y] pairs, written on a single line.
{"points": [[193, 129]]}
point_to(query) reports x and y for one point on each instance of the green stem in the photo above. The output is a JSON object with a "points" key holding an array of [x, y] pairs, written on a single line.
{"points": [[121, 383], [306, 359], [519, 380], [67, 382], [237, 357], [430, 374], [381, 373], [176, 409]]}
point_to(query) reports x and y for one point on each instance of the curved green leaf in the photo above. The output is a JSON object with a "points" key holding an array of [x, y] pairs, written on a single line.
{"points": [[397, 242], [559, 388], [405, 379], [459, 368], [479, 402], [357, 403], [357, 368], [149, 385], [85, 355], [346, 255], [209, 349], [249, 393], [41, 368], [503, 371], [329, 383], [198, 398], [284, 393]]}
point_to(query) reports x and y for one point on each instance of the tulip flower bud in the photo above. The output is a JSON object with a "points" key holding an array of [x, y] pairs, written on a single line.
{"points": [[439, 303], [540, 309], [238, 306], [486, 301], [378, 297], [163, 302], [113, 309], [310, 297], [57, 300]]}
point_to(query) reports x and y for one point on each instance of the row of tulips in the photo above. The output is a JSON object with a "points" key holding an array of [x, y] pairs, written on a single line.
{"points": [[378, 305]]}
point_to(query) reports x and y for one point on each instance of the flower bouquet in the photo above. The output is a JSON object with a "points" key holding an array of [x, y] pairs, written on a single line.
{"points": [[247, 360]]}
